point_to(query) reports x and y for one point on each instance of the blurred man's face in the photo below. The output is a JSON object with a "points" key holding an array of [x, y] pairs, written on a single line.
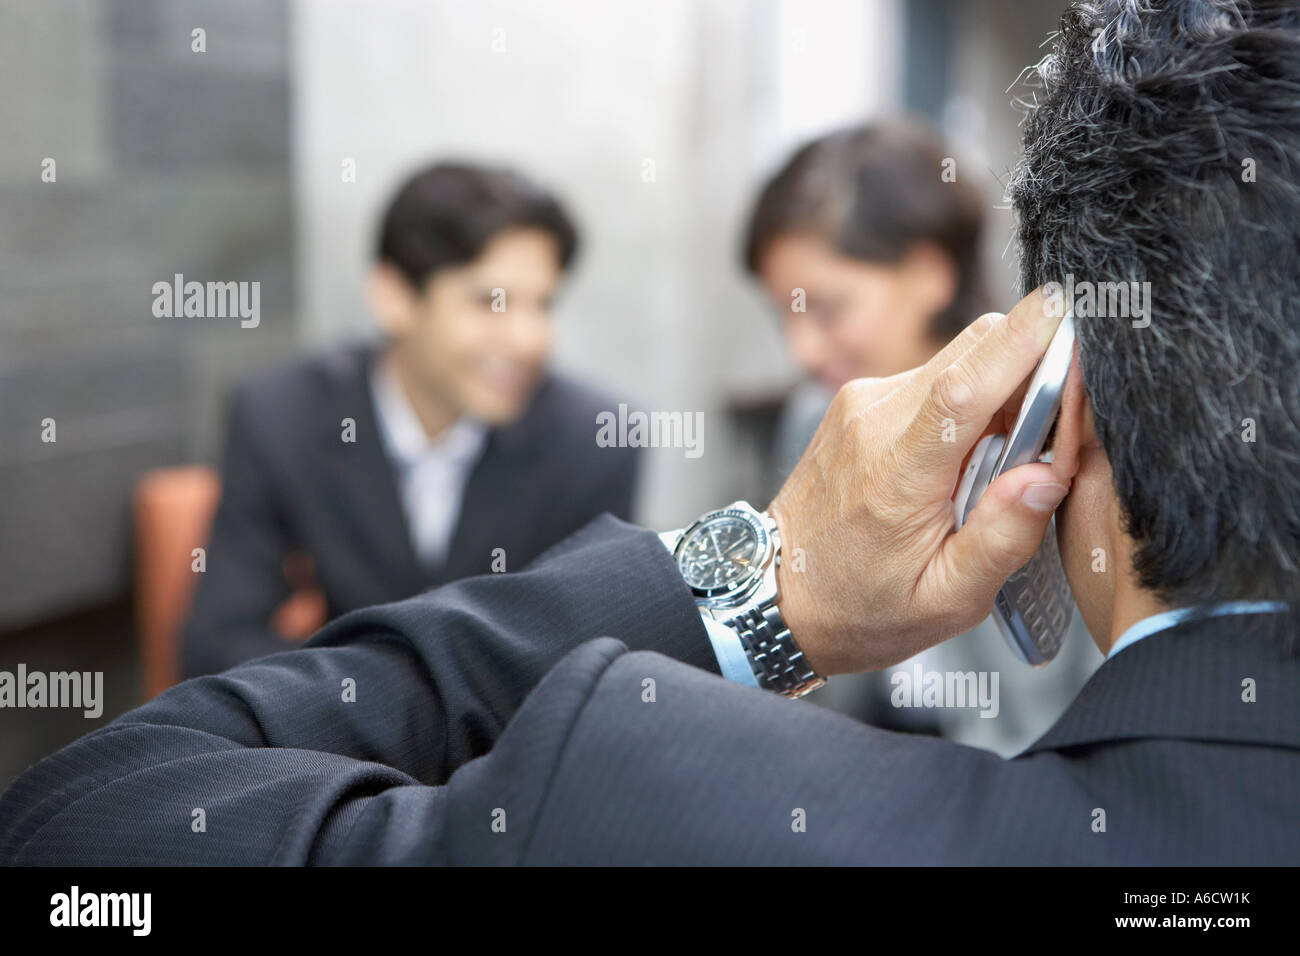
{"points": [[478, 337], [859, 318]]}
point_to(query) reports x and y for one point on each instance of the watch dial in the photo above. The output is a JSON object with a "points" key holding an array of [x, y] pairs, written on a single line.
{"points": [[719, 554]]}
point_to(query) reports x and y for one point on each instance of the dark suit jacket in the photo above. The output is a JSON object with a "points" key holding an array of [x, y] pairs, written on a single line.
{"points": [[462, 718], [290, 484]]}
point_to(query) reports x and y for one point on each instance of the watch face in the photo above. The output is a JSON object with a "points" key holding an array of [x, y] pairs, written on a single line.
{"points": [[722, 552]]}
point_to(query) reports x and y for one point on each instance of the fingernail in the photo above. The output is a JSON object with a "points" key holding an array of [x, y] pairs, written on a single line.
{"points": [[1043, 495]]}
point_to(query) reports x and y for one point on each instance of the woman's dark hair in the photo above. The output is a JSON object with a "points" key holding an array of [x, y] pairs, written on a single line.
{"points": [[872, 191], [446, 215]]}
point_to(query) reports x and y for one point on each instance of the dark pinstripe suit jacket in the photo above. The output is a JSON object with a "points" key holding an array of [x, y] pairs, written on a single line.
{"points": [[506, 719]]}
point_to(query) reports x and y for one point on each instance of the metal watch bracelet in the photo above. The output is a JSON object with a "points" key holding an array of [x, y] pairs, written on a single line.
{"points": [[773, 654]]}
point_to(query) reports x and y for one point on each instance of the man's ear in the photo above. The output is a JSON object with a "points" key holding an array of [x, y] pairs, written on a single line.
{"points": [[391, 299], [1073, 425]]}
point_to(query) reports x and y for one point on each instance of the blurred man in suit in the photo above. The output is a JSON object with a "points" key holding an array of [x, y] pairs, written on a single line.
{"points": [[467, 742], [369, 473]]}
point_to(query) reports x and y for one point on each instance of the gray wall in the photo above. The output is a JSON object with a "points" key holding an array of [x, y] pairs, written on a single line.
{"points": [[991, 42], [167, 161]]}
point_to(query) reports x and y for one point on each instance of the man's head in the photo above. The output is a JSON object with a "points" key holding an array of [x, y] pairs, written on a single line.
{"points": [[1164, 147], [467, 263], [884, 252]]}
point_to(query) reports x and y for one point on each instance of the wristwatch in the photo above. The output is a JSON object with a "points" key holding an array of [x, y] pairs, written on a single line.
{"points": [[729, 558]]}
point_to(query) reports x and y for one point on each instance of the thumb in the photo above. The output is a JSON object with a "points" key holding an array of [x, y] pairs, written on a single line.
{"points": [[1003, 532]]}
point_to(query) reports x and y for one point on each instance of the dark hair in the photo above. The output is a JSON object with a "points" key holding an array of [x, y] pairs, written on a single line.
{"points": [[1149, 122], [872, 191], [446, 214]]}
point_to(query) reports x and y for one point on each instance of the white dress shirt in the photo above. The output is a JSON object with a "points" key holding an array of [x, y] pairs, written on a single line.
{"points": [[431, 472]]}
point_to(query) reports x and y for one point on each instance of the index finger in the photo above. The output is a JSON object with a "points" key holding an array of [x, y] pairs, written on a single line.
{"points": [[962, 398], [909, 387]]}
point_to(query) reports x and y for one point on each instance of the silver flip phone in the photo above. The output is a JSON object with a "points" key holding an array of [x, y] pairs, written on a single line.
{"points": [[1033, 609]]}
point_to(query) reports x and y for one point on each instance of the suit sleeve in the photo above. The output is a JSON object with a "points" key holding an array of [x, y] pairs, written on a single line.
{"points": [[279, 760], [617, 492], [230, 618]]}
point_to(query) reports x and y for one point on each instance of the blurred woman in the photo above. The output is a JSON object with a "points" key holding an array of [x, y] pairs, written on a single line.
{"points": [[867, 242]]}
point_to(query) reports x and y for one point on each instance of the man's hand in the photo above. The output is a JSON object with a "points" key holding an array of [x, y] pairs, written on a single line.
{"points": [[872, 572]]}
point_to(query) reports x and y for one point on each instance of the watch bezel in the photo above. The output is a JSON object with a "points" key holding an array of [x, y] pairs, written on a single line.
{"points": [[738, 590]]}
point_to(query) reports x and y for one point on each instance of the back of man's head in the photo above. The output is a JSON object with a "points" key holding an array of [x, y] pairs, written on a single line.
{"points": [[1162, 146]]}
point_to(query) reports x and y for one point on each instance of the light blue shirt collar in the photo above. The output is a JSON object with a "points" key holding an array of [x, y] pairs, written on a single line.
{"points": [[1167, 619]]}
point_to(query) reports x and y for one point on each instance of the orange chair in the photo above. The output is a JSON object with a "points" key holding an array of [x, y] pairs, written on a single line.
{"points": [[173, 511]]}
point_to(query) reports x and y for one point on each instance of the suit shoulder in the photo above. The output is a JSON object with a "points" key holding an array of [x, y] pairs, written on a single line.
{"points": [[568, 412], [302, 384], [565, 400]]}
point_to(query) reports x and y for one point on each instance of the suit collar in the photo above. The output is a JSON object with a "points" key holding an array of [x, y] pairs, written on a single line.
{"points": [[1167, 619], [363, 471], [493, 497], [404, 438], [1189, 681]]}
